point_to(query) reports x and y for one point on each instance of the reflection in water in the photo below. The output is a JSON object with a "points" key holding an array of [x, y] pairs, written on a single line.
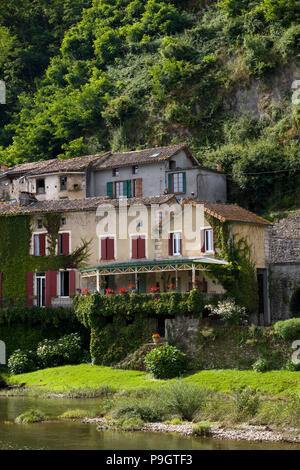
{"points": [[71, 435]]}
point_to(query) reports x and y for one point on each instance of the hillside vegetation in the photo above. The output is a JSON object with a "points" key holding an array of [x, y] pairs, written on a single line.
{"points": [[91, 75]]}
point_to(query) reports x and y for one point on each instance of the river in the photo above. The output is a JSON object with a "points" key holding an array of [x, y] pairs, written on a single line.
{"points": [[78, 436]]}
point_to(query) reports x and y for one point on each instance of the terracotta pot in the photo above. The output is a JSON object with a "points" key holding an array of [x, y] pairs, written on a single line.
{"points": [[156, 340]]}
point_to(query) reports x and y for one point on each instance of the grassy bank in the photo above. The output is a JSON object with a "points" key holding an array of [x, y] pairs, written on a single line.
{"points": [[63, 379]]}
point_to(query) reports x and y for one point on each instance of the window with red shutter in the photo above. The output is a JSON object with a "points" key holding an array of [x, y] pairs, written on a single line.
{"points": [[134, 247], [141, 247], [63, 244], [110, 248], [42, 239], [29, 289], [103, 248], [171, 244]]}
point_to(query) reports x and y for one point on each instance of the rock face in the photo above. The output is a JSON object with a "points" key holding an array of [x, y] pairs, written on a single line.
{"points": [[284, 259]]}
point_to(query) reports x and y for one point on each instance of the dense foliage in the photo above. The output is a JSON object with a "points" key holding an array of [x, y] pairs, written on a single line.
{"points": [[88, 75], [165, 362], [288, 329], [295, 303]]}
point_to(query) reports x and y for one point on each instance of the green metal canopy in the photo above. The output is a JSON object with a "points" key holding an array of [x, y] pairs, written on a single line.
{"points": [[150, 266]]}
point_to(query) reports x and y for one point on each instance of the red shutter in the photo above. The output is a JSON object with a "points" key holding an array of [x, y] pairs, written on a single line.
{"points": [[180, 244], [65, 243], [42, 240], [103, 248], [51, 286], [110, 248], [141, 247], [171, 244], [134, 247], [202, 240], [58, 244], [29, 289], [72, 286], [0, 290]]}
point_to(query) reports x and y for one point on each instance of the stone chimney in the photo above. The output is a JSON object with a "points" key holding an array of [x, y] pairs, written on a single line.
{"points": [[219, 166], [26, 198]]}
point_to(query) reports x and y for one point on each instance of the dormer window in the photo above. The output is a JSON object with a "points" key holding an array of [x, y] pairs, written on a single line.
{"points": [[40, 186], [116, 172], [63, 183], [135, 170]]}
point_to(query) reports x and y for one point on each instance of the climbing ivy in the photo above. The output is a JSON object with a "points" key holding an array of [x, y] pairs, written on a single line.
{"points": [[16, 260], [238, 277]]}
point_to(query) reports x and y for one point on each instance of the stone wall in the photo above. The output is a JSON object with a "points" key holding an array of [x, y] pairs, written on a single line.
{"points": [[284, 277]]}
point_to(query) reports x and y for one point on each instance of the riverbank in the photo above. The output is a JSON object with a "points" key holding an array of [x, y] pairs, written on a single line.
{"points": [[217, 431], [65, 379]]}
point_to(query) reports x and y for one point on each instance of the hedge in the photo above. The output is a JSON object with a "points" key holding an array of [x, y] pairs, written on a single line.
{"points": [[23, 328]]}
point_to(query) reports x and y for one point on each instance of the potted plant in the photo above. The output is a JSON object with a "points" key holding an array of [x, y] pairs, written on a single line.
{"points": [[156, 338]]}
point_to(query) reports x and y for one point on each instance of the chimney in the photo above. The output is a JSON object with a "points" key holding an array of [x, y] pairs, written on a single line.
{"points": [[26, 198], [219, 166]]}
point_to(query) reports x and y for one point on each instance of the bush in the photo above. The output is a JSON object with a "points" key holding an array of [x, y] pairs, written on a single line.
{"points": [[229, 312], [184, 399], [2, 383], [21, 362], [289, 330], [201, 429], [135, 410], [30, 416], [290, 365], [261, 365], [246, 402], [66, 350], [295, 303], [165, 362]]}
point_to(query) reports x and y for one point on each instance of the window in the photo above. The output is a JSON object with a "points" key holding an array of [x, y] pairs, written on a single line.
{"points": [[135, 170], [64, 283], [116, 172], [138, 247], [108, 248], [177, 182], [209, 240], [119, 189], [63, 221], [40, 186], [63, 183], [175, 244], [39, 223], [172, 164], [63, 244], [39, 244]]}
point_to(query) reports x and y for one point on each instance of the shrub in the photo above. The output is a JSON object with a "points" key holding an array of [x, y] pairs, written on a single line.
{"points": [[21, 362], [135, 410], [201, 429], [261, 365], [289, 330], [246, 402], [2, 382], [66, 350], [165, 362], [30, 416], [229, 312], [295, 303], [290, 365], [184, 399]]}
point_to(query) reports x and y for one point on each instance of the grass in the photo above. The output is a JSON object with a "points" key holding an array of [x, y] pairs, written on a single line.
{"points": [[30, 416], [85, 380]]}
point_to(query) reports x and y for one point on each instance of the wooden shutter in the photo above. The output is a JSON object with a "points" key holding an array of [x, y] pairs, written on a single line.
{"points": [[141, 247], [184, 182], [110, 189], [180, 249], [103, 248], [134, 248], [127, 188], [110, 248], [170, 185], [171, 244], [29, 289], [139, 187], [72, 279], [0, 290], [65, 238], [51, 286], [202, 240], [42, 240]]}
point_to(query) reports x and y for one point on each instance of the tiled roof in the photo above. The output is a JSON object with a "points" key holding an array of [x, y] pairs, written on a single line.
{"points": [[233, 213], [115, 160], [76, 205], [55, 165]]}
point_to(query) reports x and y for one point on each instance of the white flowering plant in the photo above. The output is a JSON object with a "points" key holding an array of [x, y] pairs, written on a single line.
{"points": [[228, 311]]}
